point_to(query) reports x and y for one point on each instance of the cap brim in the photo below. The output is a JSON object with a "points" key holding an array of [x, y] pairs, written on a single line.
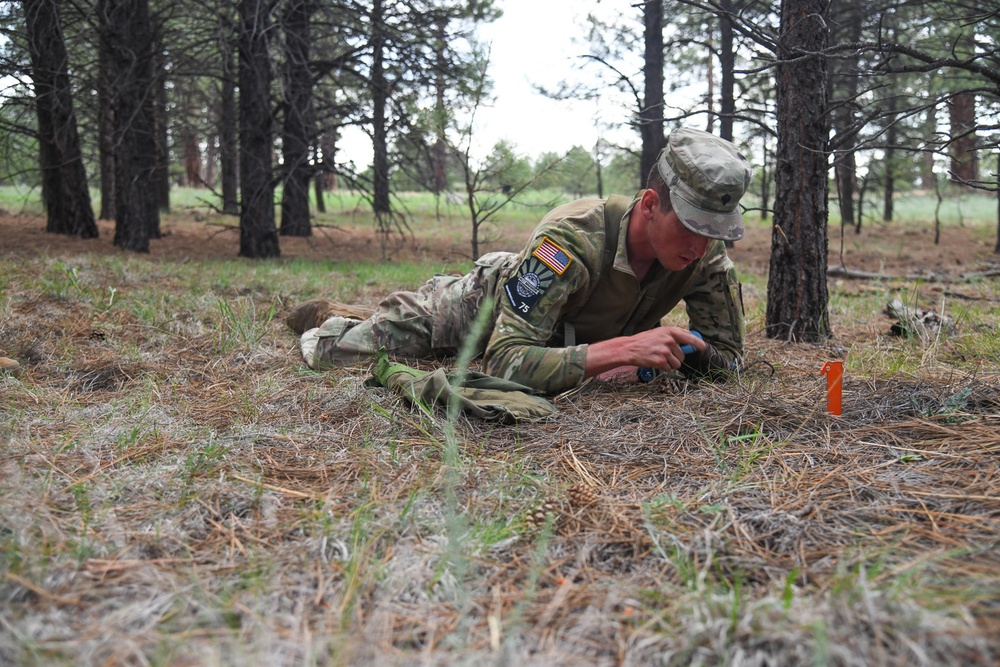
{"points": [[714, 225]]}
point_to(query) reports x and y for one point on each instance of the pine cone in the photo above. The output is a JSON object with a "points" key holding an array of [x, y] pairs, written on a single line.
{"points": [[537, 518], [581, 496]]}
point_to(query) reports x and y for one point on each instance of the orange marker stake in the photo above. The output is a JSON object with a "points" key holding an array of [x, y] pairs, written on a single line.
{"points": [[834, 371]]}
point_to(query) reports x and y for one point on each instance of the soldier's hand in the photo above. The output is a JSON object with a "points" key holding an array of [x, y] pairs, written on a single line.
{"points": [[656, 348], [707, 363], [663, 347]]}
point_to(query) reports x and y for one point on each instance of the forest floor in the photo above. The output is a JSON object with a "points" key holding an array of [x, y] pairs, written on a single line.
{"points": [[895, 249], [178, 489]]}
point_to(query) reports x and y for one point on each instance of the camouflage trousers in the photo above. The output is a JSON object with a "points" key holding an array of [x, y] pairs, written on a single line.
{"points": [[432, 322]]}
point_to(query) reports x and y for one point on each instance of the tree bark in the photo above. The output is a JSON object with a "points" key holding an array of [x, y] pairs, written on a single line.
{"points": [[727, 62], [64, 181], [928, 180], [889, 191], [211, 156], [844, 80], [439, 153], [651, 113], [996, 248], [797, 291], [964, 162], [380, 94], [258, 236], [846, 179], [328, 172], [137, 216], [228, 122], [192, 157], [106, 117], [298, 130], [161, 173], [765, 185], [319, 190]]}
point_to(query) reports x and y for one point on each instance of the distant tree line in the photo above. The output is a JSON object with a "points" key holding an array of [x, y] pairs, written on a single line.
{"points": [[833, 100], [239, 97]]}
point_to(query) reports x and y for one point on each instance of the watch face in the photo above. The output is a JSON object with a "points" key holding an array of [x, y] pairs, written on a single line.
{"points": [[646, 374]]}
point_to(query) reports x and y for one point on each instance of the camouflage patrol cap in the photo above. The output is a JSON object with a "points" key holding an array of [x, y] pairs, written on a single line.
{"points": [[706, 176]]}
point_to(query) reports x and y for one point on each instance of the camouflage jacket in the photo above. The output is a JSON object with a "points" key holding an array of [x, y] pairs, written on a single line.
{"points": [[572, 285]]}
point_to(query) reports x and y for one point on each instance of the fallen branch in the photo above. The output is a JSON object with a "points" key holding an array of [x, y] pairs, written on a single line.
{"points": [[854, 274]]}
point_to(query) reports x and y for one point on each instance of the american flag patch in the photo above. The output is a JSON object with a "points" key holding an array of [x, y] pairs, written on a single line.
{"points": [[553, 256]]}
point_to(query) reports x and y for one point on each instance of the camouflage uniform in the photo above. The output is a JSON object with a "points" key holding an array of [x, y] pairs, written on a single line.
{"points": [[572, 285], [596, 294], [597, 297], [428, 323]]}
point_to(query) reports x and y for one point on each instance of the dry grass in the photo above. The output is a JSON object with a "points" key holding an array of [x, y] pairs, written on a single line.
{"points": [[178, 490]]}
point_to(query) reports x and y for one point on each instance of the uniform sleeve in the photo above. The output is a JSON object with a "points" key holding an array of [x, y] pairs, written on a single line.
{"points": [[715, 304], [531, 305]]}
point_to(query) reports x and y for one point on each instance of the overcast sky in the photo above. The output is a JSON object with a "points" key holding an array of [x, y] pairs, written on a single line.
{"points": [[532, 44]]}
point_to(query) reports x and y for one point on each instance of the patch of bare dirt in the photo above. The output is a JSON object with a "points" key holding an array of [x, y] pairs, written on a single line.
{"points": [[894, 250], [217, 237]]}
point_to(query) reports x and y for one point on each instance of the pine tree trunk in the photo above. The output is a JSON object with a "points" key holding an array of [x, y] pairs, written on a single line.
{"points": [[439, 153], [297, 132], [379, 91], [137, 216], [161, 170], [319, 188], [996, 248], [64, 180], [651, 113], [192, 157], [889, 161], [258, 236], [765, 184], [844, 80], [106, 119], [928, 180], [228, 124], [211, 159], [845, 175], [964, 161], [797, 290], [326, 179], [727, 62]]}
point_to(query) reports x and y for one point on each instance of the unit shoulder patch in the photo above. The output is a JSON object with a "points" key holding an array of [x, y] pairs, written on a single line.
{"points": [[526, 287], [553, 256]]}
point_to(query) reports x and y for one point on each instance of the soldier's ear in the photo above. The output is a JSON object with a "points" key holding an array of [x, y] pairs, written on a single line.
{"points": [[649, 200]]}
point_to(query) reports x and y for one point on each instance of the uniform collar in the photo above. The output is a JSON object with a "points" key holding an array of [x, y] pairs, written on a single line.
{"points": [[621, 253]]}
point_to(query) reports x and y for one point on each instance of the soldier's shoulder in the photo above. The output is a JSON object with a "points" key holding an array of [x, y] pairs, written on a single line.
{"points": [[579, 212], [716, 255]]}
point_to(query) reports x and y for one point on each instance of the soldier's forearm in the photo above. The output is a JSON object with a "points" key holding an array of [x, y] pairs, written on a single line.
{"points": [[547, 370], [657, 348]]}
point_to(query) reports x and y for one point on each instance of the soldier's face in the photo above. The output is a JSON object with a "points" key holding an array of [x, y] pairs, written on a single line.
{"points": [[675, 245]]}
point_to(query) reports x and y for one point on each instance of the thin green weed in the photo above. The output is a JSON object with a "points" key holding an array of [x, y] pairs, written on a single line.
{"points": [[241, 326], [61, 281], [204, 460]]}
